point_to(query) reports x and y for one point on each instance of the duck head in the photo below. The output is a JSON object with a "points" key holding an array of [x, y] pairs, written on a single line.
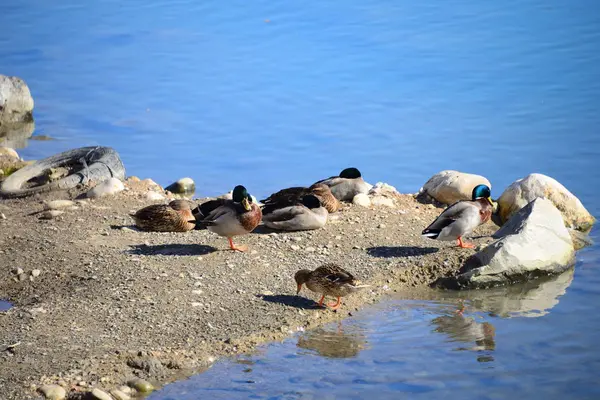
{"points": [[482, 192], [350, 173], [241, 195], [301, 277]]}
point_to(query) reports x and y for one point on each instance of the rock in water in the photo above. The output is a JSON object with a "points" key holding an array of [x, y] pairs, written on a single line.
{"points": [[449, 186], [53, 392], [525, 190], [141, 385], [533, 242], [108, 187], [16, 103], [183, 187]]}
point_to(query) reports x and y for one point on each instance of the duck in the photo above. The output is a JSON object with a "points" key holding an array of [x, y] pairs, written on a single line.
{"points": [[307, 215], [328, 280], [173, 217], [347, 184], [462, 217], [292, 196], [229, 218]]}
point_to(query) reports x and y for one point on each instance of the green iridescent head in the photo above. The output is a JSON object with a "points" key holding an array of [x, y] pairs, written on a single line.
{"points": [[241, 195], [482, 192]]}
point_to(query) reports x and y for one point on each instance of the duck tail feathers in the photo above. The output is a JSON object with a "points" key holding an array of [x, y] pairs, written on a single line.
{"points": [[431, 233]]}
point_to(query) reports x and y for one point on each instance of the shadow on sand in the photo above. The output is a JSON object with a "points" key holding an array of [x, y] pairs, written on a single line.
{"points": [[292, 301], [400, 251], [172, 249]]}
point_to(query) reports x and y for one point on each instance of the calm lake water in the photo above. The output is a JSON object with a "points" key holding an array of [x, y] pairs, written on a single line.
{"points": [[274, 94]]}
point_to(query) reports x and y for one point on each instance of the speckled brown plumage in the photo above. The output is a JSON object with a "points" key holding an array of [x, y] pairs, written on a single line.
{"points": [[251, 219], [486, 210], [172, 217]]}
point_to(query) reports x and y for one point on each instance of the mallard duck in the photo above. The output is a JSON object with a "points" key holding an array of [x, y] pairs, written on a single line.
{"points": [[307, 215], [230, 218], [347, 184], [329, 280], [462, 217], [173, 217], [292, 196]]}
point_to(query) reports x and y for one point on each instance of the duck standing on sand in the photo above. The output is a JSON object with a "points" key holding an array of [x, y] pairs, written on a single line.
{"points": [[347, 184], [329, 280], [462, 217], [230, 218], [292, 196], [173, 217], [305, 216]]}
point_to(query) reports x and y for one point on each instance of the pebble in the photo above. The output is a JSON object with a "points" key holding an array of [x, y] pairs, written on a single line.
{"points": [[53, 392], [295, 247], [57, 204], [50, 214], [2, 216], [196, 304], [362, 200], [119, 395], [310, 249], [199, 291], [381, 226], [125, 389], [141, 385], [108, 187], [35, 273], [297, 238], [154, 196], [19, 271], [184, 186], [100, 394], [267, 293]]}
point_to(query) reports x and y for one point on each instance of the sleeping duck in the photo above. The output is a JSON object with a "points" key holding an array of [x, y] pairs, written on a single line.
{"points": [[173, 217], [300, 217], [230, 218], [347, 184], [328, 280], [292, 196], [462, 217]]}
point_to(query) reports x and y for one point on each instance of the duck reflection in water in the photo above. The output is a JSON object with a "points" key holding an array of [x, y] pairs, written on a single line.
{"points": [[333, 344], [461, 328]]}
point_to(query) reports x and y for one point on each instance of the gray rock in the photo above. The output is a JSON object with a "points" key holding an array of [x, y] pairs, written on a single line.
{"points": [[534, 242], [149, 364], [184, 187], [448, 187], [100, 394], [16, 103], [53, 392], [110, 186], [141, 385], [523, 191], [35, 273]]}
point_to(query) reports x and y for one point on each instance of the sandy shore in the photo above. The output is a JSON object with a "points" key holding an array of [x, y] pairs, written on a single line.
{"points": [[111, 303]]}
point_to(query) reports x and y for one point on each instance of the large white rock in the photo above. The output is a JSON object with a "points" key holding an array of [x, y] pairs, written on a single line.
{"points": [[9, 153], [108, 187], [449, 186], [16, 103], [534, 242], [525, 190]]}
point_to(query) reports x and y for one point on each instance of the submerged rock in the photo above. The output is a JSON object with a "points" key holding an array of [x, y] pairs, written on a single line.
{"points": [[108, 187], [448, 187], [525, 190], [141, 385], [16, 103], [184, 187], [534, 242]]}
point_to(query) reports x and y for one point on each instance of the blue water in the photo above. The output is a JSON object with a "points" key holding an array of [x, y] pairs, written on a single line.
{"points": [[275, 94]]}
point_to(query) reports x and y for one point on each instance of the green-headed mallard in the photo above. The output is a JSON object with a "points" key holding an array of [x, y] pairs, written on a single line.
{"points": [[173, 217], [347, 184], [292, 196], [462, 217], [329, 280], [230, 218], [307, 215]]}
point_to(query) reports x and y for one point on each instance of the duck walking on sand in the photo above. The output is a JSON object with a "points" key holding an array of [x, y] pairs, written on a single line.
{"points": [[462, 217], [293, 196], [173, 217], [329, 280], [305, 216], [347, 184], [230, 218]]}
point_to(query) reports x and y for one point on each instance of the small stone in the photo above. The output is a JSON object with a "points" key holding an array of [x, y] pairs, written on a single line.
{"points": [[267, 293], [297, 238], [356, 247], [22, 277], [196, 304], [361, 199], [154, 196], [295, 247], [125, 389], [82, 383], [381, 226], [2, 216], [110, 186], [184, 187], [310, 249], [119, 394], [58, 204], [51, 214], [100, 394], [35, 273], [198, 291], [19, 271], [53, 392], [141, 385]]}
